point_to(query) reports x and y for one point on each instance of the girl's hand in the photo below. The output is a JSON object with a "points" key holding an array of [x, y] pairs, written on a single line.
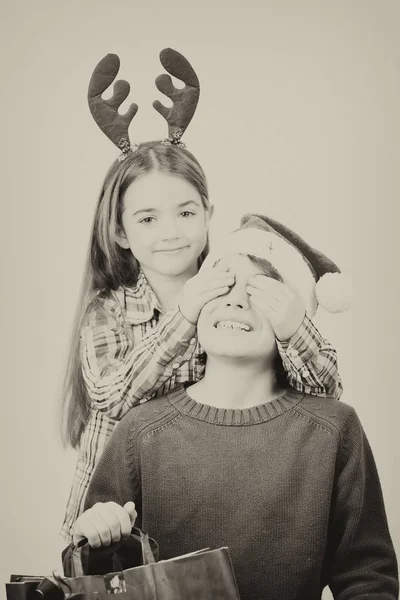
{"points": [[104, 523], [203, 287], [282, 307]]}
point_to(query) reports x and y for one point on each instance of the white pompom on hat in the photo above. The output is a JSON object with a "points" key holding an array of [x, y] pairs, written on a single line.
{"points": [[311, 274]]}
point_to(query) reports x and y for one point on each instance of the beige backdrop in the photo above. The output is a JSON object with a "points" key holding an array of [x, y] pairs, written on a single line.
{"points": [[298, 118]]}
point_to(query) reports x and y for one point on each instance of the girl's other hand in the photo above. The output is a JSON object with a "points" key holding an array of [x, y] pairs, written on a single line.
{"points": [[202, 288], [104, 523], [282, 307]]}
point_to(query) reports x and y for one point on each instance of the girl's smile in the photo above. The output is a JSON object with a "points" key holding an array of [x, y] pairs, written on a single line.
{"points": [[172, 250]]}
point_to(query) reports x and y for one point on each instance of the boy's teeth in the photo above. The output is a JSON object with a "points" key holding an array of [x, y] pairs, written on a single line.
{"points": [[232, 325]]}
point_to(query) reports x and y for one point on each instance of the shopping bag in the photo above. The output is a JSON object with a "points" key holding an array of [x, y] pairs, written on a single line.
{"points": [[28, 587], [83, 560], [202, 575], [136, 550], [21, 587]]}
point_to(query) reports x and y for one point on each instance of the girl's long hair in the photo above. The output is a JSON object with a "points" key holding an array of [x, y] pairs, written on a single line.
{"points": [[108, 266]]}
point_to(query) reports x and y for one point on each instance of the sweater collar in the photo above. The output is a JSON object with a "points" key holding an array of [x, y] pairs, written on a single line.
{"points": [[229, 416]]}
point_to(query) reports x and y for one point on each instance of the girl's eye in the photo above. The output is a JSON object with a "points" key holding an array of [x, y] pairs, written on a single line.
{"points": [[187, 213], [147, 220]]}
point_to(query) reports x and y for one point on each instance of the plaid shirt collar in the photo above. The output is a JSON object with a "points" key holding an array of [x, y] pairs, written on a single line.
{"points": [[140, 302]]}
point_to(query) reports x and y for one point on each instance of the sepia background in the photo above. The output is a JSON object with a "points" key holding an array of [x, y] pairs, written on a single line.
{"points": [[298, 118]]}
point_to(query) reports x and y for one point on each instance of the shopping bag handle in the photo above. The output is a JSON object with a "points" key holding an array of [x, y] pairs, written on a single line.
{"points": [[138, 534], [147, 552], [78, 558]]}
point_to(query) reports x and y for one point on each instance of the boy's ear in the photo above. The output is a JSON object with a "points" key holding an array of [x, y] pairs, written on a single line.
{"points": [[121, 239]]}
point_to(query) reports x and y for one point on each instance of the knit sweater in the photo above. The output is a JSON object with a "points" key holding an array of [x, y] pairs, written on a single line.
{"points": [[289, 486]]}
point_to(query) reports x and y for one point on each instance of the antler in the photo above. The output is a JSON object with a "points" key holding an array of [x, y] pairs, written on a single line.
{"points": [[105, 112], [185, 100]]}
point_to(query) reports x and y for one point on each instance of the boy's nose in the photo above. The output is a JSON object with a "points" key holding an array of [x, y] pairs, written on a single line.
{"points": [[237, 297]]}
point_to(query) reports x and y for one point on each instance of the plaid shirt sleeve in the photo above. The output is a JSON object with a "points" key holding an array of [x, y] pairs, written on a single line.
{"points": [[118, 373], [311, 362]]}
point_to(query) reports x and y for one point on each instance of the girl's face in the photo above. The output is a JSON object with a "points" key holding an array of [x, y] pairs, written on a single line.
{"points": [[230, 326], [164, 223]]}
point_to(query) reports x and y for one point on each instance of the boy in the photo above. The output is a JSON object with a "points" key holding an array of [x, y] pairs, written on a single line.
{"points": [[286, 481]]}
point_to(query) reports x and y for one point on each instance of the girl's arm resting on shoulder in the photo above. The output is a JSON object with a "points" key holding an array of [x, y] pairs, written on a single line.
{"points": [[311, 362], [362, 558], [119, 374]]}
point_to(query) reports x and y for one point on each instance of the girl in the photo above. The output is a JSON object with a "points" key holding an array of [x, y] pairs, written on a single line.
{"points": [[135, 332]]}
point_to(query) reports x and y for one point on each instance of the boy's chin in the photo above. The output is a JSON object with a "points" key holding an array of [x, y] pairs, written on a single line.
{"points": [[235, 351], [237, 348]]}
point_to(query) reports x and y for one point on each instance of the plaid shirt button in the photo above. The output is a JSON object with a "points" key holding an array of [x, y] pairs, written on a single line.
{"points": [[305, 372], [176, 365], [293, 352]]}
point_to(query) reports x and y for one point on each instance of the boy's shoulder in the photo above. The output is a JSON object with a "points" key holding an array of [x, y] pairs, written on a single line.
{"points": [[328, 412], [148, 416]]}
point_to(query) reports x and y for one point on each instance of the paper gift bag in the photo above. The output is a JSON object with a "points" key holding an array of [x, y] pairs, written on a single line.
{"points": [[136, 550], [21, 587], [28, 587], [82, 561], [202, 575]]}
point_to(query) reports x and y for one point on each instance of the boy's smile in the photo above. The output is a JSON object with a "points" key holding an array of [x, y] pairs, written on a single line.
{"points": [[233, 325], [232, 320]]}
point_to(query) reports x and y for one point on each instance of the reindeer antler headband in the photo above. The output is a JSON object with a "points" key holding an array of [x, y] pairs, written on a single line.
{"points": [[115, 125]]}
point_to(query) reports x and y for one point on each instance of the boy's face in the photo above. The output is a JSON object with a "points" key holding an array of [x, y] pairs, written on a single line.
{"points": [[230, 326]]}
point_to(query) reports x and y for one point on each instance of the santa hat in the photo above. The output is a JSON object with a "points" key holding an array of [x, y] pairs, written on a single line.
{"points": [[311, 274]]}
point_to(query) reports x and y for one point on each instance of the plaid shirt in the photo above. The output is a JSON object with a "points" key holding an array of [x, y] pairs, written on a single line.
{"points": [[132, 352]]}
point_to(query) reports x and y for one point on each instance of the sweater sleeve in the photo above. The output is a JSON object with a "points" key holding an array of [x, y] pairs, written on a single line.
{"points": [[116, 479], [117, 475], [119, 374], [363, 562]]}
